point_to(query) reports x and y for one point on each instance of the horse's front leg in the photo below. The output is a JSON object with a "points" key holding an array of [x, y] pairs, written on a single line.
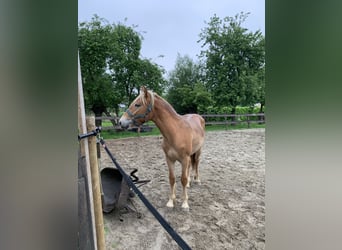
{"points": [[172, 180], [185, 171]]}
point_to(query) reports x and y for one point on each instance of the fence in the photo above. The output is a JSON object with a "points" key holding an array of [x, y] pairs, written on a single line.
{"points": [[210, 119], [232, 119]]}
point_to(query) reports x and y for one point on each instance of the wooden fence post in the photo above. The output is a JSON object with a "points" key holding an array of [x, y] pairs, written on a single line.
{"points": [[96, 185], [84, 152]]}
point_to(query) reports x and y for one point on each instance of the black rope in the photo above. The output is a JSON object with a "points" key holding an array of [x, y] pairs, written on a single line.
{"points": [[181, 243], [91, 133]]}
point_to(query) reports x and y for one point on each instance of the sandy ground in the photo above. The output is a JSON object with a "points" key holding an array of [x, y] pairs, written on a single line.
{"points": [[227, 210]]}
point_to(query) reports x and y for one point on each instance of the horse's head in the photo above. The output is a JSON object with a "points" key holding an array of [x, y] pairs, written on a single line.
{"points": [[139, 111]]}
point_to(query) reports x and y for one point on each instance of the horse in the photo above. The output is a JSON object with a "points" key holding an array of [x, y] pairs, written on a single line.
{"points": [[183, 136]]}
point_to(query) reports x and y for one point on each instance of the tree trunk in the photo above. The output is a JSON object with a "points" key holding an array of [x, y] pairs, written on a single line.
{"points": [[261, 108], [98, 113], [262, 118], [112, 120], [233, 118], [98, 122], [117, 110]]}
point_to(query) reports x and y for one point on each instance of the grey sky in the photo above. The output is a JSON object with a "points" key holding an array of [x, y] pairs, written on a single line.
{"points": [[171, 26]]}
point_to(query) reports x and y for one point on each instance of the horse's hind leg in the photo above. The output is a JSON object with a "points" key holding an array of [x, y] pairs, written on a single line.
{"points": [[172, 180], [195, 162]]}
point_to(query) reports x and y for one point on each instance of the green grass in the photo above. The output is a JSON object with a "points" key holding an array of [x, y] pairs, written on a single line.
{"points": [[111, 134]]}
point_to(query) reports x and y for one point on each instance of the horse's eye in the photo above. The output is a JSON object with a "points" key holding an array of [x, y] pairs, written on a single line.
{"points": [[137, 105]]}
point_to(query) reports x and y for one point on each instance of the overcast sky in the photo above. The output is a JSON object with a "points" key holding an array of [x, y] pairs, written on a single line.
{"points": [[171, 26]]}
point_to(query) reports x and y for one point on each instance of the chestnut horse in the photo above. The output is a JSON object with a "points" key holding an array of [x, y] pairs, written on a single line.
{"points": [[183, 136]]}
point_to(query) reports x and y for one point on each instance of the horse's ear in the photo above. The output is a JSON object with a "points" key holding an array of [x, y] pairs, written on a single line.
{"points": [[143, 89]]}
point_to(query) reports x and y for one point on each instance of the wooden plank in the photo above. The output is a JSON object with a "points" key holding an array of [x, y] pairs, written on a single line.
{"points": [[85, 239], [84, 149], [85, 235], [106, 118]]}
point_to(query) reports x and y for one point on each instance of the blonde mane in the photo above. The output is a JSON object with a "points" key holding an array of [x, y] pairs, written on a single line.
{"points": [[143, 99]]}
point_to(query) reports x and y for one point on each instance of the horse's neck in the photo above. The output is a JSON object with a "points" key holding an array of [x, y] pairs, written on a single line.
{"points": [[165, 117]]}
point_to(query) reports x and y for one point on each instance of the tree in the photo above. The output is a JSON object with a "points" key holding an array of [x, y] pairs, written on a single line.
{"points": [[150, 75], [94, 47], [126, 67], [187, 93], [124, 59], [234, 61], [261, 90], [112, 69]]}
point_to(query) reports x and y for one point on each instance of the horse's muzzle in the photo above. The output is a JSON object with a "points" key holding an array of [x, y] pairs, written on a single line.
{"points": [[124, 123]]}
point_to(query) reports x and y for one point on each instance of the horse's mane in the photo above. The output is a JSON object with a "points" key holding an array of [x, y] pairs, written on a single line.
{"points": [[154, 95], [143, 99]]}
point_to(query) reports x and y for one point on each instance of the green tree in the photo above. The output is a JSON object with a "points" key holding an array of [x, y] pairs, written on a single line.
{"points": [[94, 47], [187, 93], [112, 69], [127, 69], [234, 61], [261, 89], [150, 75], [124, 59]]}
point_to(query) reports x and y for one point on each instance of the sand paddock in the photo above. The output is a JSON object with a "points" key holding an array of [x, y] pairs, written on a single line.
{"points": [[227, 210]]}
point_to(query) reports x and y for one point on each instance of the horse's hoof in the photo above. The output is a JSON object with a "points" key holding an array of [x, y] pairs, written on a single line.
{"points": [[186, 209], [198, 182], [185, 206], [170, 204]]}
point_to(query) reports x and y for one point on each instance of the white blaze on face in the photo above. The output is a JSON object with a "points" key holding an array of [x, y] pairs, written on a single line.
{"points": [[124, 122]]}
